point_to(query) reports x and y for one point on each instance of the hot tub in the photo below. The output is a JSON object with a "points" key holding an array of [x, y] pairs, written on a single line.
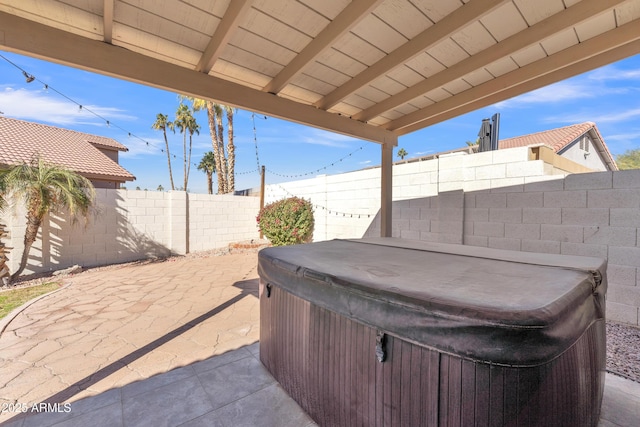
{"points": [[386, 331]]}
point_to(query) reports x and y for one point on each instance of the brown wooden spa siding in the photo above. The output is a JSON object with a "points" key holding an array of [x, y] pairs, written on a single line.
{"points": [[327, 363]]}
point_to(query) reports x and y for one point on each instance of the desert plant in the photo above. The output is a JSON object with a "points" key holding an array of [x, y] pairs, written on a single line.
{"points": [[45, 188], [287, 222]]}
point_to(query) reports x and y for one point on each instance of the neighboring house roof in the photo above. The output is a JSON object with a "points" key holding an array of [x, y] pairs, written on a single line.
{"points": [[560, 138], [21, 140]]}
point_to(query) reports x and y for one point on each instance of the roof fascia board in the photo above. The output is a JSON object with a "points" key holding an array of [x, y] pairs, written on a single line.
{"points": [[450, 24], [31, 38]]}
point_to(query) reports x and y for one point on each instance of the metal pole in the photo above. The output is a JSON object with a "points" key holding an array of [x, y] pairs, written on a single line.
{"points": [[262, 194]]}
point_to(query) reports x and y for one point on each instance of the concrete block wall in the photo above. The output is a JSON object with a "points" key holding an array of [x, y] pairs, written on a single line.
{"points": [[215, 221], [496, 199], [595, 214], [346, 204], [129, 225]]}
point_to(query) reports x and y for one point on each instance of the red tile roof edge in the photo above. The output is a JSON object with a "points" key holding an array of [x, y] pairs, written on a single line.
{"points": [[559, 138]]}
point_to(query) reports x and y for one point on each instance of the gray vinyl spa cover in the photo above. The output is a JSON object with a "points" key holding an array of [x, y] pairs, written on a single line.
{"points": [[488, 305]]}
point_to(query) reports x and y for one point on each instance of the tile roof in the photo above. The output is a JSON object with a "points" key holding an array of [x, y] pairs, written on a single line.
{"points": [[559, 138], [553, 138], [21, 140]]}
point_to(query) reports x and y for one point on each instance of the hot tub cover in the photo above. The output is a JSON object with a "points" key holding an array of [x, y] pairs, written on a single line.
{"points": [[489, 305]]}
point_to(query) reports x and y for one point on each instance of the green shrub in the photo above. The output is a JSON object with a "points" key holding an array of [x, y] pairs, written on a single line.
{"points": [[287, 222]]}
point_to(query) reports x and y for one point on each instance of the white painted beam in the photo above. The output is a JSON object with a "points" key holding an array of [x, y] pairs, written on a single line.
{"points": [[569, 17], [347, 19], [600, 60], [230, 21], [450, 24], [386, 194], [31, 38], [587, 49], [107, 18]]}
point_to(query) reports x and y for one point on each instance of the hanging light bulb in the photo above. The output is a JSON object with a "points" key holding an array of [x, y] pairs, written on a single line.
{"points": [[28, 76]]}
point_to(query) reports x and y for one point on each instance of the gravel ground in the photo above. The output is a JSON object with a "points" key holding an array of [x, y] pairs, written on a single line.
{"points": [[623, 341], [623, 350]]}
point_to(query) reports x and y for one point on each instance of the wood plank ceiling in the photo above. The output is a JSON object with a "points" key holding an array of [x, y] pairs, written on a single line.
{"points": [[374, 69]]}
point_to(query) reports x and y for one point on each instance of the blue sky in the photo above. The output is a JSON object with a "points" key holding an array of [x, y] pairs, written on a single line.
{"points": [[609, 96]]}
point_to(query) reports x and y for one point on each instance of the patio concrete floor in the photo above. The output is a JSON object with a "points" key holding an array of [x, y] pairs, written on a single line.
{"points": [[164, 344]]}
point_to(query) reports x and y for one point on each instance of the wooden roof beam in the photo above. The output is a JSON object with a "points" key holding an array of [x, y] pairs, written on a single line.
{"points": [[569, 17], [107, 21], [347, 19], [587, 49], [230, 21], [450, 24], [617, 54], [41, 41]]}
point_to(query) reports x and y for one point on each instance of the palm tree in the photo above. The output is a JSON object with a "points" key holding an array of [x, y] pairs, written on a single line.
{"points": [[225, 167], [162, 124], [186, 123], [45, 188], [217, 108], [231, 152], [402, 153], [208, 166], [160, 188], [192, 127]]}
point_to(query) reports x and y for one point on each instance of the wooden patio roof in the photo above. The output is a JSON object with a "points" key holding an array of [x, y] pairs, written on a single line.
{"points": [[372, 69]]}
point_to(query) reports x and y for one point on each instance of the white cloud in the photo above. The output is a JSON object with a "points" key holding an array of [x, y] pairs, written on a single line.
{"points": [[611, 72], [623, 136], [366, 162], [597, 117], [306, 135], [558, 92], [42, 106], [139, 147]]}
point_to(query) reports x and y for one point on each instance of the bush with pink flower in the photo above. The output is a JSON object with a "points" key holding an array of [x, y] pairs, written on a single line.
{"points": [[287, 222]]}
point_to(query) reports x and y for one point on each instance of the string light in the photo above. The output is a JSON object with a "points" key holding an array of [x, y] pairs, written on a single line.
{"points": [[329, 211], [30, 78], [319, 169], [81, 108], [255, 140]]}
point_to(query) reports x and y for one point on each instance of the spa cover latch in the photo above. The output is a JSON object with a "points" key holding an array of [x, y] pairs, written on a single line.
{"points": [[268, 287], [381, 350], [597, 279]]}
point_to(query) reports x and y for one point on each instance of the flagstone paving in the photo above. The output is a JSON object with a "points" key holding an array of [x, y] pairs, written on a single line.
{"points": [[165, 344], [112, 327]]}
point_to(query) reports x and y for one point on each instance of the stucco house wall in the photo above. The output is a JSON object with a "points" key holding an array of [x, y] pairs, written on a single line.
{"points": [[583, 151]]}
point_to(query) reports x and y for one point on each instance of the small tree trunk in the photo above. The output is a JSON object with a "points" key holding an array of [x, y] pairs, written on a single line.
{"points": [[4, 270], [231, 151], [184, 149], [189, 161], [211, 116], [210, 182], [166, 144], [33, 225], [222, 173]]}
